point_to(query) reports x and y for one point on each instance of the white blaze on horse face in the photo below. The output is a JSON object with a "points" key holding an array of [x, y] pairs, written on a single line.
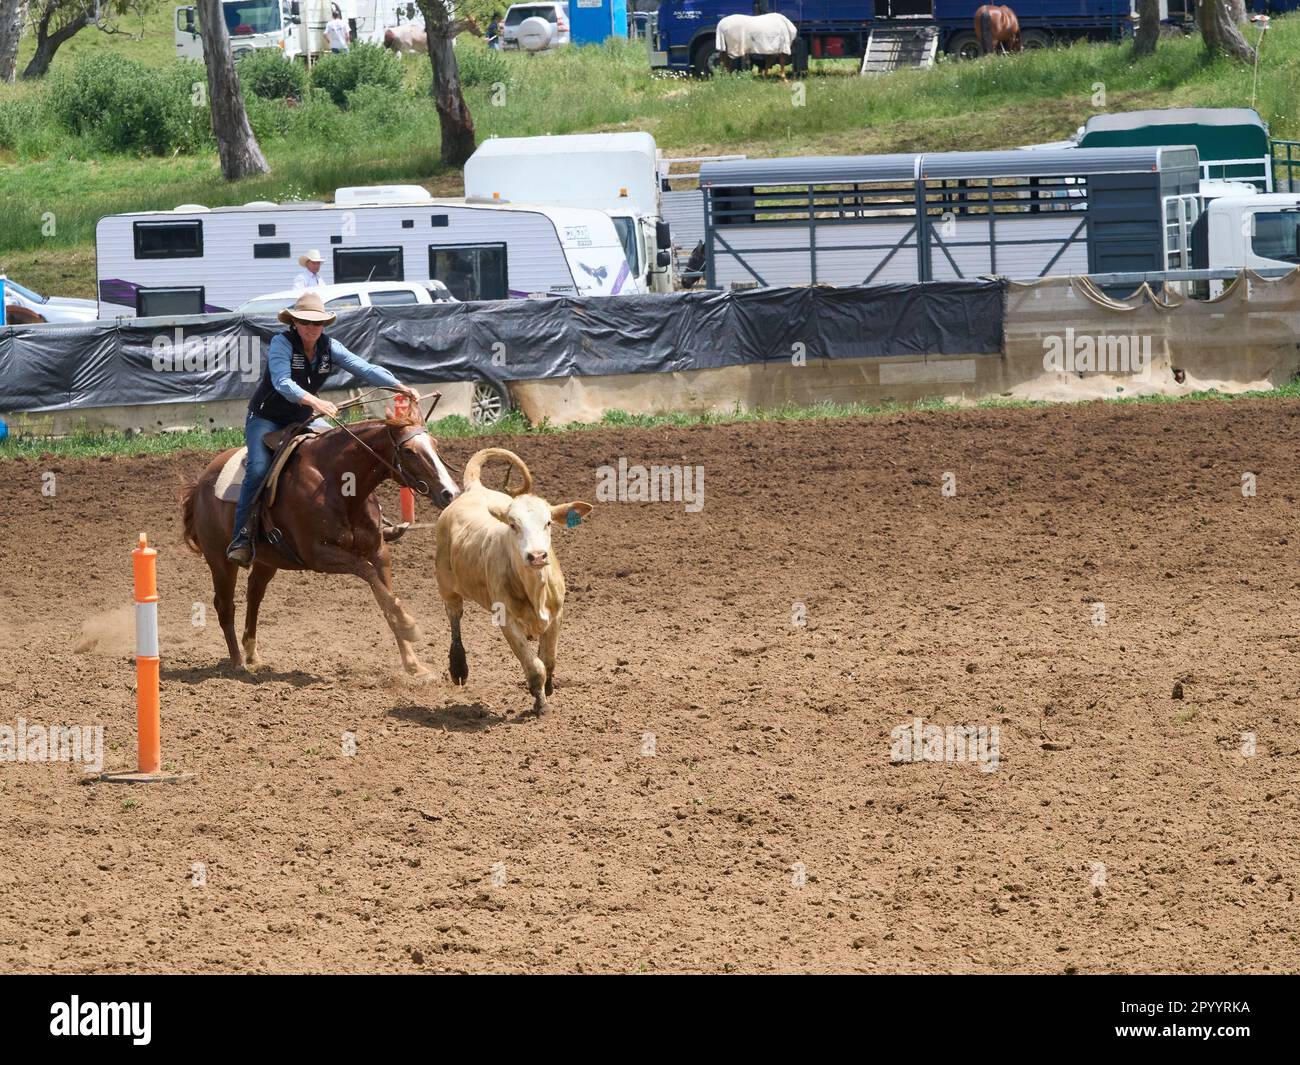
{"points": [[446, 483]]}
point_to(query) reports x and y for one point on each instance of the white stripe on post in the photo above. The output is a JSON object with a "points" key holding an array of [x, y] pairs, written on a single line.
{"points": [[146, 630]]}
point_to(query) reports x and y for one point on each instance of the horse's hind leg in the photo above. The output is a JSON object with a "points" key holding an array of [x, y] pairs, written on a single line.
{"points": [[224, 573], [258, 578]]}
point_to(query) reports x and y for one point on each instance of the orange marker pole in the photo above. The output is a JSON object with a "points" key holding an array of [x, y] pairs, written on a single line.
{"points": [[401, 404], [148, 717], [148, 723]]}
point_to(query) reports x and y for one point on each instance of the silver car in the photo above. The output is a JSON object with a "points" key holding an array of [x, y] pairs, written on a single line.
{"points": [[555, 15], [54, 309]]}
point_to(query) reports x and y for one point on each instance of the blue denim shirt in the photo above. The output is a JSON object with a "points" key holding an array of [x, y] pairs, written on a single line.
{"points": [[278, 359]]}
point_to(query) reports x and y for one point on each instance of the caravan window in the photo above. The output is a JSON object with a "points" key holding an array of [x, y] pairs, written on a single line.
{"points": [[168, 302], [367, 264], [470, 271], [168, 240]]}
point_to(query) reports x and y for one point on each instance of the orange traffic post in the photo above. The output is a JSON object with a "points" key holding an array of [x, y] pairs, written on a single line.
{"points": [[401, 404], [148, 710]]}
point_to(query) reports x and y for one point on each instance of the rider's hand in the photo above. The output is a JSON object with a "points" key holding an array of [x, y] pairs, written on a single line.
{"points": [[413, 394], [324, 407]]}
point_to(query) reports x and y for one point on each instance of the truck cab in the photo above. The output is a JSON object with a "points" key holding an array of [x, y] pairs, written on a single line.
{"points": [[1248, 233], [251, 24]]}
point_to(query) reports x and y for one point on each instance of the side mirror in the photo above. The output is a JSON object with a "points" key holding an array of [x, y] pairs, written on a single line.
{"points": [[663, 259], [189, 21], [662, 236]]}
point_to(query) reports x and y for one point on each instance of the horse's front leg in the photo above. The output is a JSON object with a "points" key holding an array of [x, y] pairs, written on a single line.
{"points": [[372, 569]]}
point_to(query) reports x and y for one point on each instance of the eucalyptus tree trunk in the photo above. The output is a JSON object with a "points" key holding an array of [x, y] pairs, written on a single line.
{"points": [[1148, 28], [237, 148], [1220, 22]]}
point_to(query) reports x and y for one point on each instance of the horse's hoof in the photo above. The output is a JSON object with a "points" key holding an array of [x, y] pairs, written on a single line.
{"points": [[420, 676]]}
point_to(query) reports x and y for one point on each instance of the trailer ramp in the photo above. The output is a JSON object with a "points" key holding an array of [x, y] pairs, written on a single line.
{"points": [[892, 48]]}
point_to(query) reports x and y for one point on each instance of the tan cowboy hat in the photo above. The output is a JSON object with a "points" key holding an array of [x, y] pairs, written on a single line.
{"points": [[312, 256], [309, 309]]}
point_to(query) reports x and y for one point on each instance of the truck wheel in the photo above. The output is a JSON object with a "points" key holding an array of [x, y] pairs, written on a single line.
{"points": [[489, 402], [705, 59], [964, 45], [1035, 39]]}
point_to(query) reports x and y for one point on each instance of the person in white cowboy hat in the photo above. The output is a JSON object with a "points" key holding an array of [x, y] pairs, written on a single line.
{"points": [[297, 364], [309, 276]]}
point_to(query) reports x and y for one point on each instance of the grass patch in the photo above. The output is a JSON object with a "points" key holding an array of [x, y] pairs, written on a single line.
{"points": [[456, 427]]}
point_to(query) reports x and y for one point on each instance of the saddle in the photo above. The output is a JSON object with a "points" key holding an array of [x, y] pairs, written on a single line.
{"points": [[284, 442]]}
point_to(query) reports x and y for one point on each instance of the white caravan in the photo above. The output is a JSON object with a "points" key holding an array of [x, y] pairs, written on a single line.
{"points": [[615, 172], [195, 260], [296, 27]]}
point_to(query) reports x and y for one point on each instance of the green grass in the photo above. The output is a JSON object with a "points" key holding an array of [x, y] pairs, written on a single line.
{"points": [[96, 445], [47, 173]]}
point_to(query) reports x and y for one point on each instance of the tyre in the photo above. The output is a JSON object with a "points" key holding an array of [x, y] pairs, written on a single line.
{"points": [[1035, 39], [964, 45], [489, 402], [705, 59]]}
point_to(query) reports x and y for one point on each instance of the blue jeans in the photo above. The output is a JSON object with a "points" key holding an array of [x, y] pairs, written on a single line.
{"points": [[259, 461]]}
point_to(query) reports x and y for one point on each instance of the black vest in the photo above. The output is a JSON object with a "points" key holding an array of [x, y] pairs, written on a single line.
{"points": [[268, 403]]}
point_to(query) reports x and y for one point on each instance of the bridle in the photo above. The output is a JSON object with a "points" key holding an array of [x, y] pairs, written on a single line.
{"points": [[419, 484]]}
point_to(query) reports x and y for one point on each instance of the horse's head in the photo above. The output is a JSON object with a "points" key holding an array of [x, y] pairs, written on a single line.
{"points": [[415, 454]]}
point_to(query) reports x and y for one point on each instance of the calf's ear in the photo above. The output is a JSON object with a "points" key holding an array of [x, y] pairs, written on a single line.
{"points": [[499, 512], [570, 513]]}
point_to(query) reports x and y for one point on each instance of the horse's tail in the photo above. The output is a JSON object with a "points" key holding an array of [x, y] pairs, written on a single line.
{"points": [[984, 29], [189, 496], [474, 467]]}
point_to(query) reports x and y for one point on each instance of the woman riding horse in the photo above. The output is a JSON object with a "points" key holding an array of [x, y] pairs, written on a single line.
{"points": [[298, 362]]}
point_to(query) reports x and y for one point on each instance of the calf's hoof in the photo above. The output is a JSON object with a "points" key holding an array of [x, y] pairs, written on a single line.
{"points": [[457, 664], [550, 686]]}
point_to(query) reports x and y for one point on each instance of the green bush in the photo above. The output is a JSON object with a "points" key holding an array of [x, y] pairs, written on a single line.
{"points": [[265, 72], [366, 64], [124, 106], [26, 127], [476, 63], [479, 65]]}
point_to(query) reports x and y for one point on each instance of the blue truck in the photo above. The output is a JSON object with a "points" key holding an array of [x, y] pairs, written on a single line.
{"points": [[681, 34]]}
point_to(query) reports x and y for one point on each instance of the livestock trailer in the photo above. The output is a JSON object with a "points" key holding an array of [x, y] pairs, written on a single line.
{"points": [[856, 220], [681, 32], [199, 260]]}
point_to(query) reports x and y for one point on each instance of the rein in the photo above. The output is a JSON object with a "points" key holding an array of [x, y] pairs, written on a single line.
{"points": [[411, 432]]}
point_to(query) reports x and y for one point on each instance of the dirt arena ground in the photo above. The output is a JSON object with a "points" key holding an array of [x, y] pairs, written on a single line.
{"points": [[1123, 829]]}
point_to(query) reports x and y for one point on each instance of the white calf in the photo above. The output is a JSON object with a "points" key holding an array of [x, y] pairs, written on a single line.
{"points": [[495, 550]]}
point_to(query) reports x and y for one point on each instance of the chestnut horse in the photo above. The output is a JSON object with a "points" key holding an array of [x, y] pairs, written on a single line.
{"points": [[996, 26], [326, 513], [17, 315]]}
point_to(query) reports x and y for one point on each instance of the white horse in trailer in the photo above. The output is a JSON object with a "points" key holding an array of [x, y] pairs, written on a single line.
{"points": [[768, 38]]}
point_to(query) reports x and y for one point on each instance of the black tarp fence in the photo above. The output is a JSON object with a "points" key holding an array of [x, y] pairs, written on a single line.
{"points": [[209, 358]]}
